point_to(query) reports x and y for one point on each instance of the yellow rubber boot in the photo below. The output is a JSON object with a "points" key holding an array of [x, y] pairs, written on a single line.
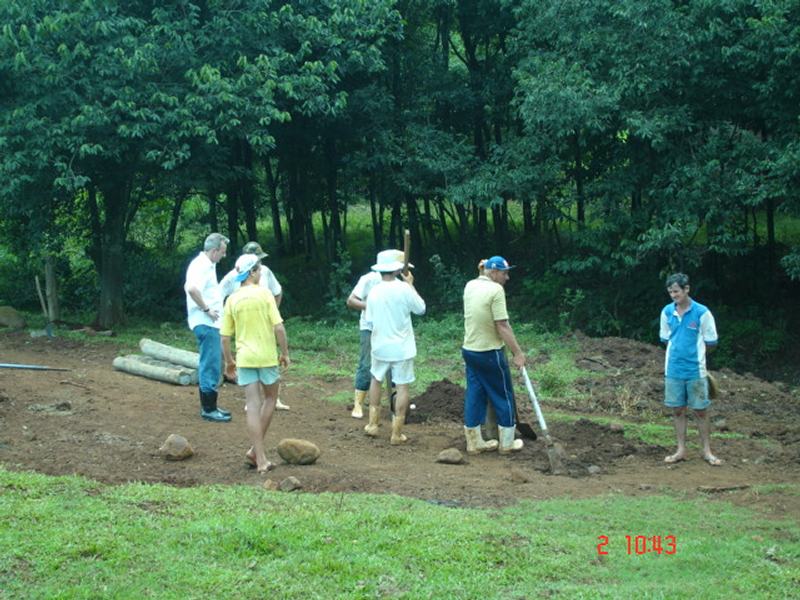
{"points": [[507, 442], [371, 428], [475, 442], [397, 431], [358, 404]]}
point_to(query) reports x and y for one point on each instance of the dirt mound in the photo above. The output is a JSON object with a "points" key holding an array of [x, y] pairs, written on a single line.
{"points": [[442, 401]]}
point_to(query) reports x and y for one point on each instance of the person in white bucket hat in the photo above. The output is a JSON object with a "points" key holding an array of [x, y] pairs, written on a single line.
{"points": [[357, 300], [388, 313]]}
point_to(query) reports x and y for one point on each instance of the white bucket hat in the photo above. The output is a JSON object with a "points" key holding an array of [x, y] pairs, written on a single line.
{"points": [[389, 261]]}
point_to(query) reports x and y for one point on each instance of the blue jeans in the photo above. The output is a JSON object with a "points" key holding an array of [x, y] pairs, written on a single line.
{"points": [[210, 347], [363, 376], [488, 376]]}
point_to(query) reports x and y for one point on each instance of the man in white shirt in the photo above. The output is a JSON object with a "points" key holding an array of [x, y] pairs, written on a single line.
{"points": [[204, 308], [358, 301], [388, 313]]}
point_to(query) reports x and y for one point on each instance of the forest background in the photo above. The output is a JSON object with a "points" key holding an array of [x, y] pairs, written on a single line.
{"points": [[598, 144]]}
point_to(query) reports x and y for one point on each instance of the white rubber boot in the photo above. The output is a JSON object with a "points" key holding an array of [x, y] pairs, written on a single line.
{"points": [[358, 404], [475, 441], [507, 442], [371, 428], [397, 431]]}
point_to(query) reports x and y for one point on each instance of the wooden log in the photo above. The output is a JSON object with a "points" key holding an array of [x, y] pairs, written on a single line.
{"points": [[151, 368], [169, 354]]}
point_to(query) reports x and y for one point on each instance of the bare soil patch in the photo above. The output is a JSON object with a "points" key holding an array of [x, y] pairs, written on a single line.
{"points": [[108, 425]]}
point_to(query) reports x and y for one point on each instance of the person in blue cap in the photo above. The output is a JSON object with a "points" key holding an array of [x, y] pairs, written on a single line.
{"points": [[487, 333]]}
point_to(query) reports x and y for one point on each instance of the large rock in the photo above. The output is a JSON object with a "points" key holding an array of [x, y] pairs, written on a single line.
{"points": [[290, 484], [450, 456], [176, 447], [298, 452], [10, 318]]}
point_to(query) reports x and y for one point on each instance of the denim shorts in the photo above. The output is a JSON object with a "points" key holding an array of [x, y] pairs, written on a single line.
{"points": [[686, 392], [248, 375]]}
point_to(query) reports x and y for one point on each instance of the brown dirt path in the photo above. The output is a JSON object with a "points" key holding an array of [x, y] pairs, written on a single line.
{"points": [[107, 425]]}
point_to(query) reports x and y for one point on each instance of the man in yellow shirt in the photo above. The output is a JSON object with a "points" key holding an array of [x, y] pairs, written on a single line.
{"points": [[252, 317], [486, 332]]}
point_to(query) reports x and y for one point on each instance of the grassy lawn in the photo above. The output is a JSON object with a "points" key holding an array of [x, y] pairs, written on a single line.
{"points": [[67, 537]]}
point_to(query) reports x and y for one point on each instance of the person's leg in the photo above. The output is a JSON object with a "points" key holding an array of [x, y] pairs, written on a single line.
{"points": [[704, 428], [475, 406], [495, 377], [209, 371], [254, 398], [679, 422], [371, 428], [475, 394], [676, 398], [377, 371], [269, 406], [363, 378], [698, 401], [399, 420]]}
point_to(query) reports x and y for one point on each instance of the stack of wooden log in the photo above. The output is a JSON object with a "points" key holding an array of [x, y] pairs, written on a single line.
{"points": [[161, 362]]}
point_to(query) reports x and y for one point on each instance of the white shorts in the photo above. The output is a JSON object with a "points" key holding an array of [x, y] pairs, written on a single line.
{"points": [[402, 370]]}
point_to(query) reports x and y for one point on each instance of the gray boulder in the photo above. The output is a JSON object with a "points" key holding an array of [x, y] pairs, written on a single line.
{"points": [[10, 318]]}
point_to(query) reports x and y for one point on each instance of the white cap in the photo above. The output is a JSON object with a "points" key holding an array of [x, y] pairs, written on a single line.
{"points": [[245, 264]]}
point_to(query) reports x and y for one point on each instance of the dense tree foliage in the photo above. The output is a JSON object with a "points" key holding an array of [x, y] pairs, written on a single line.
{"points": [[603, 142]]}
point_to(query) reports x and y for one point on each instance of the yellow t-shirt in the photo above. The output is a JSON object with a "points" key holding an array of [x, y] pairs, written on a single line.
{"points": [[484, 303], [250, 315]]}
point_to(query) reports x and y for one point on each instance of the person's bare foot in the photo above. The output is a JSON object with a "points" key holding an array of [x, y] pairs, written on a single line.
{"points": [[712, 460], [675, 458], [280, 405], [250, 458], [268, 466]]}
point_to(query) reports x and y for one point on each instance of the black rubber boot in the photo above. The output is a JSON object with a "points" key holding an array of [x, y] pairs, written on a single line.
{"points": [[210, 411]]}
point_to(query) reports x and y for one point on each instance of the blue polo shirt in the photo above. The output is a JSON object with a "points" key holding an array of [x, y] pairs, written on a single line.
{"points": [[686, 338]]}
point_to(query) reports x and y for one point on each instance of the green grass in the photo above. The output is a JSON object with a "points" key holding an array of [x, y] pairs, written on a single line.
{"points": [[67, 537]]}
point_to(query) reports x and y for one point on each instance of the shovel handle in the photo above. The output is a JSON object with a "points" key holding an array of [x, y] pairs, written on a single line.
{"points": [[406, 250], [532, 394]]}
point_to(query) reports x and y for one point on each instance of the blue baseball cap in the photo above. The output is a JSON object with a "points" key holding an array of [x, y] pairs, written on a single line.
{"points": [[497, 263]]}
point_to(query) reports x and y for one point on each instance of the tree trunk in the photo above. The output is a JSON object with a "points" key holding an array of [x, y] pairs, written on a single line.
{"points": [[247, 195], [277, 230], [173, 221], [51, 290], [377, 216], [527, 217], [333, 200], [112, 256], [232, 214], [579, 183]]}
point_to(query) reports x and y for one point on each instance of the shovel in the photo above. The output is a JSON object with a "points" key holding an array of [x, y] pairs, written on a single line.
{"points": [[555, 453]]}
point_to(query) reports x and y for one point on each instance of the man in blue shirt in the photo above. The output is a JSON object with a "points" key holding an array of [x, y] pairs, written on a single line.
{"points": [[689, 331]]}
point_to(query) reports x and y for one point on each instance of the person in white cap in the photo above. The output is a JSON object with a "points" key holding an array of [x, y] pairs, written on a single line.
{"points": [[252, 317], [390, 305], [229, 284], [357, 300]]}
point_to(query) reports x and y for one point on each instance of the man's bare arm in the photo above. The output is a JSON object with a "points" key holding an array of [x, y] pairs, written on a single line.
{"points": [[510, 340], [283, 344], [355, 302]]}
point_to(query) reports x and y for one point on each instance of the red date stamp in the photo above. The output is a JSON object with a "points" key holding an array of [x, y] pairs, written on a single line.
{"points": [[642, 544]]}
